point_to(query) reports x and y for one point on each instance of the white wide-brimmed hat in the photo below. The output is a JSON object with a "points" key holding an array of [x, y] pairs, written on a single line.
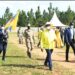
{"points": [[47, 23]]}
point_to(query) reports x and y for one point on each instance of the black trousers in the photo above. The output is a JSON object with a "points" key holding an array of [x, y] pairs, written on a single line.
{"points": [[68, 47], [4, 50]]}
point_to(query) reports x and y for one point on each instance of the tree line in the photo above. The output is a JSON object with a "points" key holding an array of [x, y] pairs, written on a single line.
{"points": [[37, 19]]}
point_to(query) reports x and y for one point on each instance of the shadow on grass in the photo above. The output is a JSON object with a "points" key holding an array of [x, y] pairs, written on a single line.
{"points": [[19, 65], [62, 52], [71, 61], [26, 66], [58, 60], [40, 59], [15, 56]]}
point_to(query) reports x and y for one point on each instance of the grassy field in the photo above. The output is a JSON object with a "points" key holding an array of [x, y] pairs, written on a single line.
{"points": [[17, 62]]}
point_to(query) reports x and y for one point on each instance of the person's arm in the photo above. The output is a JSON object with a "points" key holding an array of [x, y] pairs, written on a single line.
{"points": [[33, 38], [66, 37]]}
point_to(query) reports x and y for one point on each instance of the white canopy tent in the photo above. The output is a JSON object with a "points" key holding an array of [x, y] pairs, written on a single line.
{"points": [[56, 22]]}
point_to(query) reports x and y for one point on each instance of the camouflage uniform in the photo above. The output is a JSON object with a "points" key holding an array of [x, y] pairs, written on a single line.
{"points": [[28, 33], [20, 35]]}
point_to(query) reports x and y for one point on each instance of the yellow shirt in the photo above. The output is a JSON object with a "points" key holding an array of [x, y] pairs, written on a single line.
{"points": [[47, 39]]}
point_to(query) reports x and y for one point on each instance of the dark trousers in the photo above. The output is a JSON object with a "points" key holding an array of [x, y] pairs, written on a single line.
{"points": [[67, 49], [48, 59], [1, 46], [4, 50]]}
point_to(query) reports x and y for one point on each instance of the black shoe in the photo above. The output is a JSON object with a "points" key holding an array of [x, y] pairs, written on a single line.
{"points": [[67, 60], [45, 64], [0, 52], [3, 59], [29, 54], [50, 68]]}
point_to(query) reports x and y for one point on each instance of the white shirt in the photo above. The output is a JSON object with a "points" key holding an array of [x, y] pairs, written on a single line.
{"points": [[71, 29]]}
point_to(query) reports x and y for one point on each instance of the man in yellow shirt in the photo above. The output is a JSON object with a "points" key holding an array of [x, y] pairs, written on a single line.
{"points": [[47, 42]]}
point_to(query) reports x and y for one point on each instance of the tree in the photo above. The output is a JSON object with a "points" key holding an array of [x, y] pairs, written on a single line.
{"points": [[63, 17], [22, 19], [69, 14], [2, 21], [30, 17], [50, 12], [45, 17], [7, 15], [38, 17]]}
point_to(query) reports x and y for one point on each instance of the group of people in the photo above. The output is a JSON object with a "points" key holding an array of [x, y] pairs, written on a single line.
{"points": [[48, 36]]}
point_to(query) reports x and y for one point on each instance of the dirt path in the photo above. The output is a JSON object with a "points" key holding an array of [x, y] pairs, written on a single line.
{"points": [[58, 55]]}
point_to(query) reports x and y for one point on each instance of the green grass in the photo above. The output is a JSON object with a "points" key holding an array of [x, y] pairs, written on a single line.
{"points": [[17, 63]]}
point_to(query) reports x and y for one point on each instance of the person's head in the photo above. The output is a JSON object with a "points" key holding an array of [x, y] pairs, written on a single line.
{"points": [[42, 28], [71, 25], [19, 28], [48, 26], [58, 27], [28, 26]]}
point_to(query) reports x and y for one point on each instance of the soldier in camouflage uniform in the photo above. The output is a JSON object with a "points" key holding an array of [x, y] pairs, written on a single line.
{"points": [[20, 35], [29, 38]]}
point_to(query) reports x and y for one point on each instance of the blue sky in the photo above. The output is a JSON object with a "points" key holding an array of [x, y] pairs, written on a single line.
{"points": [[27, 5]]}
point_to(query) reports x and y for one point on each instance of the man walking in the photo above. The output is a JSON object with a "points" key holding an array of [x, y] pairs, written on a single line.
{"points": [[1, 39], [5, 42], [29, 38], [47, 42], [68, 39]]}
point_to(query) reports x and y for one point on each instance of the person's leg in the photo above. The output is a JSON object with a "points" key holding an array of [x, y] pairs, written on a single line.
{"points": [[51, 51], [73, 47], [67, 51], [49, 60], [28, 49], [1, 47], [0, 51], [19, 41], [46, 60], [22, 39], [4, 51], [31, 44]]}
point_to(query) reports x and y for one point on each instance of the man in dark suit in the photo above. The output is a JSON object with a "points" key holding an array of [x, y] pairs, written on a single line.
{"points": [[1, 39], [68, 39], [3, 43]]}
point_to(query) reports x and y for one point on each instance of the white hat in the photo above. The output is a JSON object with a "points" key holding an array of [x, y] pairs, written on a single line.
{"points": [[29, 24], [47, 23]]}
